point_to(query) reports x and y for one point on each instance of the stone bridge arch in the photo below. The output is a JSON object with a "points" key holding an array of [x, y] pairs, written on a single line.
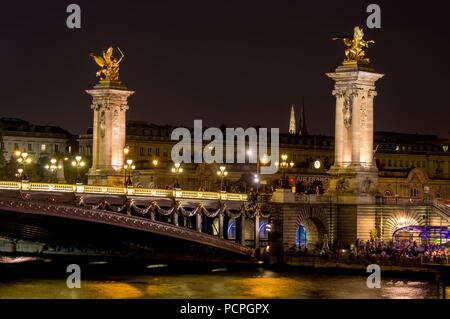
{"points": [[401, 218], [315, 222]]}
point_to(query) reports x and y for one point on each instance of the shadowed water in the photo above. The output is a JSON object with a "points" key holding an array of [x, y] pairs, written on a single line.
{"points": [[213, 283]]}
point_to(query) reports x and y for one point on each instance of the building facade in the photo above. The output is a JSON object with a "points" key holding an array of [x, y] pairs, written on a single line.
{"points": [[37, 140]]}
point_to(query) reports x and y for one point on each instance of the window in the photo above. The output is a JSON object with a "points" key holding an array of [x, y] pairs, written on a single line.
{"points": [[56, 148], [165, 153], [30, 147], [149, 151], [423, 164], [43, 147], [157, 151], [395, 163], [414, 192], [2, 145], [401, 163], [389, 163], [141, 151], [16, 146], [387, 193], [418, 163], [70, 149]]}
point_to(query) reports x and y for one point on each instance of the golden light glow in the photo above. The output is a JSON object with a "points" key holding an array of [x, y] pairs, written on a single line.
{"points": [[17, 153], [155, 162]]}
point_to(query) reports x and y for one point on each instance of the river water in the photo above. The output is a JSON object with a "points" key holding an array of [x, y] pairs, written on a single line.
{"points": [[160, 281]]}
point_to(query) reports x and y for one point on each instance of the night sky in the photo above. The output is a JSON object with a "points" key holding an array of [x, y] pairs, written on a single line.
{"points": [[239, 63]]}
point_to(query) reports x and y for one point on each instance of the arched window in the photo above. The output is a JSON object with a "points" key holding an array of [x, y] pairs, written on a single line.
{"points": [[387, 193], [231, 231], [301, 237]]}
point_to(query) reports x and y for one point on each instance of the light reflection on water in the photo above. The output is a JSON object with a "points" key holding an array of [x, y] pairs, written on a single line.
{"points": [[229, 284]]}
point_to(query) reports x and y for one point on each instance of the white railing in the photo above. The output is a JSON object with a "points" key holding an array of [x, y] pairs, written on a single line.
{"points": [[95, 189]]}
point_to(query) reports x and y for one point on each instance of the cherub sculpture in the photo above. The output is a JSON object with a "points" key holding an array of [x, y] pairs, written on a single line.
{"points": [[355, 44], [109, 66]]}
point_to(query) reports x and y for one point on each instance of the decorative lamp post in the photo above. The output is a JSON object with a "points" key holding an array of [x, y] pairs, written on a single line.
{"points": [[284, 165], [23, 160], [222, 173], [128, 168], [177, 169], [52, 167], [78, 163]]}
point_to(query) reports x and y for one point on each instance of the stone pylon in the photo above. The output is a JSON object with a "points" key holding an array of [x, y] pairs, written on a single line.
{"points": [[354, 171], [354, 175], [109, 105]]}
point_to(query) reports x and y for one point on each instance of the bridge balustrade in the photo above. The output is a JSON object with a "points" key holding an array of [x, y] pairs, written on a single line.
{"points": [[97, 189]]}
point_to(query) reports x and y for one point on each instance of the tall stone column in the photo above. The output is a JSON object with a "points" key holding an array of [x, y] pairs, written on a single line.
{"points": [[354, 171], [354, 175], [109, 103]]}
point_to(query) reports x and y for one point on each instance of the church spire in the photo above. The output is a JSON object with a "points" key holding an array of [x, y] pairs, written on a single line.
{"points": [[292, 128], [302, 124]]}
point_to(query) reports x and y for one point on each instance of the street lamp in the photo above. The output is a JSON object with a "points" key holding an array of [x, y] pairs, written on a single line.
{"points": [[222, 173], [52, 167], [155, 162], [23, 160], [284, 165], [128, 168], [78, 163], [177, 169]]}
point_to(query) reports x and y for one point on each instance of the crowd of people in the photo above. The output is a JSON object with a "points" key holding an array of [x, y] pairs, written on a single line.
{"points": [[428, 253]]}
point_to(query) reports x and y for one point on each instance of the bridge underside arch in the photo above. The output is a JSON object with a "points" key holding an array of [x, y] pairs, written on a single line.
{"points": [[58, 224], [312, 221]]}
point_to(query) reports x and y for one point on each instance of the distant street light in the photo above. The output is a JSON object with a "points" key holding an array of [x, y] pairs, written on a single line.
{"points": [[78, 163], [177, 169], [284, 165], [52, 168], [222, 173], [23, 160], [128, 168]]}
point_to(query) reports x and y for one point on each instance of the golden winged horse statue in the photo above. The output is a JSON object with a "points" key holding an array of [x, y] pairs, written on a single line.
{"points": [[355, 45], [109, 66]]}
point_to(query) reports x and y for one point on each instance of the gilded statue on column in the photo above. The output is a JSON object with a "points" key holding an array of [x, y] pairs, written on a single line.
{"points": [[354, 52], [109, 66]]}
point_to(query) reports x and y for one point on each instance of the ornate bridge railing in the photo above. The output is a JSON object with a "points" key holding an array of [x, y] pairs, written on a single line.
{"points": [[94, 189]]}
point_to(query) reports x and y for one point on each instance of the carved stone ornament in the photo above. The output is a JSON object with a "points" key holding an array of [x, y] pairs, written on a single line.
{"points": [[347, 109]]}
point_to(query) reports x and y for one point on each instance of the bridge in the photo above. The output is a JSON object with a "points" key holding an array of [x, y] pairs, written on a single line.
{"points": [[115, 221]]}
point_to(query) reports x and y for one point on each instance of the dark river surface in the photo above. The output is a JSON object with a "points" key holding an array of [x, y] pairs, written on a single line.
{"points": [[48, 280]]}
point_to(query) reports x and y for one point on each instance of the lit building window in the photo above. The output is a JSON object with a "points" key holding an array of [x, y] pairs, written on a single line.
{"points": [[70, 149], [414, 192], [43, 147]]}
